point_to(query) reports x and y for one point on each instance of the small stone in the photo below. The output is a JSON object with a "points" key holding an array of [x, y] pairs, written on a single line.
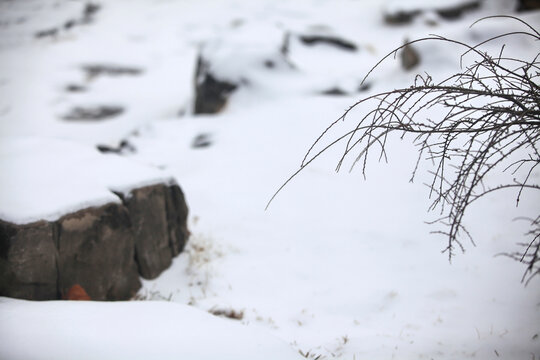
{"points": [[69, 24], [364, 87], [75, 88], [201, 141], [334, 92], [46, 33], [409, 57], [125, 147]]}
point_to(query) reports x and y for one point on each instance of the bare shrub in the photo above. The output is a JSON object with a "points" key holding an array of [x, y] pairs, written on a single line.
{"points": [[489, 121]]}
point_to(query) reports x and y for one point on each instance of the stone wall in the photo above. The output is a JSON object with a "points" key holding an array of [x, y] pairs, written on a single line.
{"points": [[104, 249]]}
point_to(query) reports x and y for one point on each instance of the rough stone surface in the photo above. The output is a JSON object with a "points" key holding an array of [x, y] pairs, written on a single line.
{"points": [[177, 213], [103, 249], [96, 250], [148, 212], [28, 259], [211, 93]]}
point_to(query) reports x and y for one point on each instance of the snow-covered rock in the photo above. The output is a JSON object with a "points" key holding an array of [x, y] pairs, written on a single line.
{"points": [[70, 214]]}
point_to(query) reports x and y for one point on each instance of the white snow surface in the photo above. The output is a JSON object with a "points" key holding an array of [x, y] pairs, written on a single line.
{"points": [[43, 179], [128, 330], [338, 267]]}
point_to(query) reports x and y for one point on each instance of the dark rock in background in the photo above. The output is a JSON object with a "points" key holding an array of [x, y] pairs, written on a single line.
{"points": [[527, 5], [211, 93], [93, 113], [449, 13], [69, 24], [401, 17], [103, 249], [74, 88], [364, 87], [88, 13], [334, 92], [94, 70], [46, 33], [455, 12], [125, 147], [340, 43], [90, 10], [409, 57], [201, 141]]}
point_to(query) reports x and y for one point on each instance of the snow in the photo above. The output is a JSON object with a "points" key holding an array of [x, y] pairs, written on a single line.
{"points": [[43, 179], [338, 266], [134, 330]]}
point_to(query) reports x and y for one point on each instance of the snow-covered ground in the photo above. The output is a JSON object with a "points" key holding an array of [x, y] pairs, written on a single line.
{"points": [[337, 267]]}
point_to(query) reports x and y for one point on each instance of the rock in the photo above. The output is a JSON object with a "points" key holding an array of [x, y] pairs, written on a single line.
{"points": [[201, 141], [69, 24], [456, 11], [96, 250], [125, 147], [148, 212], [93, 113], [330, 40], [74, 88], [89, 11], [400, 17], [335, 91], [409, 57], [232, 60], [159, 215], [451, 12], [527, 5], [211, 93], [285, 45], [46, 33], [364, 87], [94, 70], [28, 261], [102, 249], [177, 214]]}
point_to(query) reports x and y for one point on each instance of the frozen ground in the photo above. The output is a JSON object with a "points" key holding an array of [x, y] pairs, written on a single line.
{"points": [[337, 267]]}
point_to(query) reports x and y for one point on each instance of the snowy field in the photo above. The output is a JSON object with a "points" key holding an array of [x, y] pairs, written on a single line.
{"points": [[337, 266]]}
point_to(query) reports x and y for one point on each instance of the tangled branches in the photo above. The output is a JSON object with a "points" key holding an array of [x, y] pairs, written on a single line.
{"points": [[488, 119]]}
